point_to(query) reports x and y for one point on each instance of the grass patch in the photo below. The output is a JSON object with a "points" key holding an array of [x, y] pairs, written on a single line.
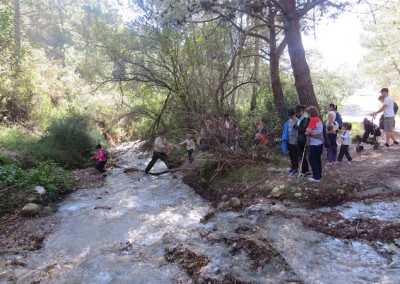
{"points": [[245, 174]]}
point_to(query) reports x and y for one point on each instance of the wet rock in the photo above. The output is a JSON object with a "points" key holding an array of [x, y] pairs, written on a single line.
{"points": [[234, 202], [223, 205], [41, 190], [37, 237], [17, 262], [207, 217], [122, 246], [161, 260], [31, 209], [34, 199], [392, 249], [276, 192], [367, 201], [105, 207]]}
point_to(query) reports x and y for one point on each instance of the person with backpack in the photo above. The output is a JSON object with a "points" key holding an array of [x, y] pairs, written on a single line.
{"points": [[381, 119], [301, 126], [292, 143], [334, 118], [388, 112], [101, 157]]}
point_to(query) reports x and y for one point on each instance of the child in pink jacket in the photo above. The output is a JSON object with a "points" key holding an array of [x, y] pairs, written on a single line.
{"points": [[101, 158]]}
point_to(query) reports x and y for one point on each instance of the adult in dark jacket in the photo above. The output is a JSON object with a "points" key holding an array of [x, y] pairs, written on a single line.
{"points": [[303, 120]]}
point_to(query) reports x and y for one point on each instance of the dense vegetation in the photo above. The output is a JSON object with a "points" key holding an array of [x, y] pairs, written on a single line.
{"points": [[75, 73]]}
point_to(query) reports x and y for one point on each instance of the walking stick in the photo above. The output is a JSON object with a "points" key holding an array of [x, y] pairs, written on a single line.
{"points": [[302, 159]]}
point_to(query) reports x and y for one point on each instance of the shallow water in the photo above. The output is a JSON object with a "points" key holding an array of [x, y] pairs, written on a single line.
{"points": [[138, 217]]}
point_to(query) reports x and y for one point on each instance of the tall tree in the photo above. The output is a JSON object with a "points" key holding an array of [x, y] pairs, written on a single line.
{"points": [[272, 13], [17, 25], [381, 39]]}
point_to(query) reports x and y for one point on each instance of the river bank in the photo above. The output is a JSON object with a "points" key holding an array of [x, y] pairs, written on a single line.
{"points": [[164, 225]]}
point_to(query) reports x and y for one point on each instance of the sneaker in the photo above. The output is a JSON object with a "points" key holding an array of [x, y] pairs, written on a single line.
{"points": [[294, 173], [311, 179], [395, 142], [387, 145]]}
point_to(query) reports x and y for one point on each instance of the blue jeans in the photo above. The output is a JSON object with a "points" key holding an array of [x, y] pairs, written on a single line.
{"points": [[315, 160]]}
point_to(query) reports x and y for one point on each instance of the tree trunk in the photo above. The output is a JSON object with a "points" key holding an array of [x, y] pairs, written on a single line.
{"points": [[301, 71], [17, 26], [274, 67], [235, 80], [253, 102]]}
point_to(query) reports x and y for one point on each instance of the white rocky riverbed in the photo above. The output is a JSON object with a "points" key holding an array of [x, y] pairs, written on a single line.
{"points": [[139, 217]]}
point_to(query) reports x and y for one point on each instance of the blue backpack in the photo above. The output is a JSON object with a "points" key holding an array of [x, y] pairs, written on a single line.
{"points": [[285, 138], [339, 120]]}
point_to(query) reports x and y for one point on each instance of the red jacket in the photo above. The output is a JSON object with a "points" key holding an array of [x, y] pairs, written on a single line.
{"points": [[99, 155]]}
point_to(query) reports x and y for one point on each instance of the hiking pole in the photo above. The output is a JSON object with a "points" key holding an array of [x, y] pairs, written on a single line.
{"points": [[302, 159]]}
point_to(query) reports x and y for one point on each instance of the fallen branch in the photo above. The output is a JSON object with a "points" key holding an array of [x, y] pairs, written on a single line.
{"points": [[133, 169]]}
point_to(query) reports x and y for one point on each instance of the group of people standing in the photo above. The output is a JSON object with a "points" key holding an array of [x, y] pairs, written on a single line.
{"points": [[305, 130]]}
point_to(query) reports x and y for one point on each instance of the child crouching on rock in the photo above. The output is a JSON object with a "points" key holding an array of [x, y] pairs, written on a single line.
{"points": [[101, 157]]}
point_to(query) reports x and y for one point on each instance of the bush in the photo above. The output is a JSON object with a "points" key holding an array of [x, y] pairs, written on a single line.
{"points": [[68, 142], [17, 184]]}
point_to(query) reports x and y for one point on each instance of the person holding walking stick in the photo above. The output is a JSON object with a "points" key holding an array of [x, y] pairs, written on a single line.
{"points": [[301, 126], [315, 131]]}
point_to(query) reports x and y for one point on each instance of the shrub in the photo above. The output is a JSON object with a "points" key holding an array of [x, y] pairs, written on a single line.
{"points": [[17, 184], [67, 142]]}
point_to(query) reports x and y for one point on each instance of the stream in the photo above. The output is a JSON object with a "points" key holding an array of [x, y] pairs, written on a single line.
{"points": [[120, 232]]}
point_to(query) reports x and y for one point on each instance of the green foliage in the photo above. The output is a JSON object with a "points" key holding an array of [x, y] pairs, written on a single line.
{"points": [[6, 31], [16, 184], [245, 174], [68, 142], [380, 39]]}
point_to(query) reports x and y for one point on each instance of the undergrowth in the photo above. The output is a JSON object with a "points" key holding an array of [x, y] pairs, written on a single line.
{"points": [[17, 184]]}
